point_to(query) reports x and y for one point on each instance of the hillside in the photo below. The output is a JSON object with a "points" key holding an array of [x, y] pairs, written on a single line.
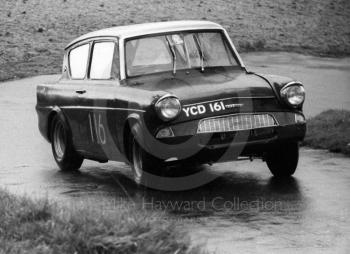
{"points": [[34, 32]]}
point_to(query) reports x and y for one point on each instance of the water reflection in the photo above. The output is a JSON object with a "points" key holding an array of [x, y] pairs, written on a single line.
{"points": [[232, 195]]}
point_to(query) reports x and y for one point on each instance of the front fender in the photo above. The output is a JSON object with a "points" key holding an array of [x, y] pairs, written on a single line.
{"points": [[277, 83], [132, 126], [135, 125]]}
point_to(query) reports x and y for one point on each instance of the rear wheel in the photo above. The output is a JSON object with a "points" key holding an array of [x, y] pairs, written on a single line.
{"points": [[282, 159], [62, 146], [144, 165]]}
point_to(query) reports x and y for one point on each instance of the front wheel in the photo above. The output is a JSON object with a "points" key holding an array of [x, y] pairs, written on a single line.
{"points": [[62, 146], [282, 159], [144, 165]]}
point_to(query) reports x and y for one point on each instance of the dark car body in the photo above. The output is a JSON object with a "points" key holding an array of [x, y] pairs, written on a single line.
{"points": [[102, 113]]}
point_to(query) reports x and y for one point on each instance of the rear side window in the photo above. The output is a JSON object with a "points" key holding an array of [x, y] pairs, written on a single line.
{"points": [[78, 59], [102, 60]]}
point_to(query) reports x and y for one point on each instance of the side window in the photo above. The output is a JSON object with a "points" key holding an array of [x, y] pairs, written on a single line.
{"points": [[104, 54], [78, 59]]}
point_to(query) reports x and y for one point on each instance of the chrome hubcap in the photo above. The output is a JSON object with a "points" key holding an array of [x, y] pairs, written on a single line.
{"points": [[59, 138]]}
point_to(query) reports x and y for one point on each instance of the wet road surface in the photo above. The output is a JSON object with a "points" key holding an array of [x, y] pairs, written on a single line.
{"points": [[244, 210]]}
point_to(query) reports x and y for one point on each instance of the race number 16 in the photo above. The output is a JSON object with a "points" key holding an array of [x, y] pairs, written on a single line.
{"points": [[97, 129]]}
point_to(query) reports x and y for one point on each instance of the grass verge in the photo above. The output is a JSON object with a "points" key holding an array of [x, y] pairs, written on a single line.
{"points": [[29, 226], [329, 130]]}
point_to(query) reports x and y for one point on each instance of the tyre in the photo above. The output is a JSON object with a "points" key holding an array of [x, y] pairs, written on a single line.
{"points": [[62, 146], [144, 166], [282, 159]]}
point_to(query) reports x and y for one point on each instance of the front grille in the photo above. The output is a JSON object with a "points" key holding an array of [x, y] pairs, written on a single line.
{"points": [[238, 122]]}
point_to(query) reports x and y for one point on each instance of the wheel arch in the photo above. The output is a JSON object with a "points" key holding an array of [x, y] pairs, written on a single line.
{"points": [[55, 111], [132, 126]]}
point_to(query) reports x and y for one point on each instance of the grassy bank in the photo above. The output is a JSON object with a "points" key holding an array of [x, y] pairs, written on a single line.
{"points": [[329, 130], [33, 33], [29, 226]]}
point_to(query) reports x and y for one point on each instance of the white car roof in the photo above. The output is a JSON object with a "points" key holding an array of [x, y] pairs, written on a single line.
{"points": [[148, 28]]}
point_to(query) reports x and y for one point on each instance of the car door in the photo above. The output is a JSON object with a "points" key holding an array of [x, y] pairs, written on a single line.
{"points": [[97, 102], [71, 86]]}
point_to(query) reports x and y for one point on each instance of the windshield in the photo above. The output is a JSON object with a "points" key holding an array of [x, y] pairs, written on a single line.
{"points": [[178, 51]]}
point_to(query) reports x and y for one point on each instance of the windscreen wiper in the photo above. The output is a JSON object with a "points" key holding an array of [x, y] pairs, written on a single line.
{"points": [[173, 53], [200, 51]]}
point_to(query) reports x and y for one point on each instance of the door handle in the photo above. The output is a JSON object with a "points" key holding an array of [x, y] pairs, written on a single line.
{"points": [[80, 91]]}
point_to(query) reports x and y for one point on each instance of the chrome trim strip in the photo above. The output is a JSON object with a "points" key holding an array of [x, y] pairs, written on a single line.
{"points": [[168, 95], [292, 83], [224, 99], [100, 108]]}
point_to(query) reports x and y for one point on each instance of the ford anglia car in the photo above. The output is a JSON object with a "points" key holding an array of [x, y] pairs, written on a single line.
{"points": [[158, 94]]}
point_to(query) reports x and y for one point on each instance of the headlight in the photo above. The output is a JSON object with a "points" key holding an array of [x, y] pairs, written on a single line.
{"points": [[293, 94], [168, 107]]}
